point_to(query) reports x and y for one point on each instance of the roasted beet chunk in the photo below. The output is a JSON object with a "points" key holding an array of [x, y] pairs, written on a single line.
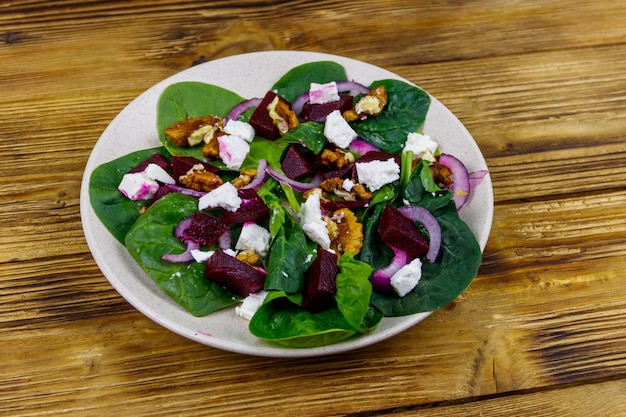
{"points": [[205, 228], [182, 164], [399, 231], [318, 112], [379, 156], [320, 282], [253, 208], [295, 165], [233, 274], [156, 158], [261, 121]]}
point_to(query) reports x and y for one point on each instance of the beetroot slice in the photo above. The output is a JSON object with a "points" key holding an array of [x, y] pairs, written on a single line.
{"points": [[320, 282], [397, 230], [205, 229], [318, 112], [379, 156], [156, 158], [182, 164], [332, 205], [261, 121], [295, 165], [253, 208], [233, 274]]}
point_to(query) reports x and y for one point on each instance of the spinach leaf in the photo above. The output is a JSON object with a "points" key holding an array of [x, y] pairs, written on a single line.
{"points": [[374, 252], [286, 323], [308, 134], [353, 289], [117, 212], [405, 113], [152, 236], [287, 255], [458, 260], [298, 79], [442, 281], [191, 99]]}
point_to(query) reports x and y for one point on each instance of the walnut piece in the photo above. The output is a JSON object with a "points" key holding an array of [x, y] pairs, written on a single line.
{"points": [[199, 179], [282, 116], [244, 178], [369, 105], [251, 257], [336, 158], [441, 174], [349, 233], [194, 127]]}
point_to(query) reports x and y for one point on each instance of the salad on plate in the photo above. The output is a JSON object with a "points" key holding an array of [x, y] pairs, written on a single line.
{"points": [[315, 210]]}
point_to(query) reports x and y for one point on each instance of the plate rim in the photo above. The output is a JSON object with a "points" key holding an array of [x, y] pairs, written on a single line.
{"points": [[93, 231]]}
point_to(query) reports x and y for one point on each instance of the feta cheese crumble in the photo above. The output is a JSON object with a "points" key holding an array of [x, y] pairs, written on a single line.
{"points": [[138, 186], [225, 196], [375, 174], [250, 305], [348, 184], [157, 173], [233, 150], [238, 128], [323, 93], [312, 223], [407, 277], [253, 237], [337, 130], [200, 255], [421, 145]]}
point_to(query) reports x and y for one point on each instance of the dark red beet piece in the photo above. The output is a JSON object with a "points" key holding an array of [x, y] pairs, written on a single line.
{"points": [[205, 228], [252, 209], [397, 230], [233, 274], [182, 164], [378, 156], [261, 120], [156, 158], [320, 282], [295, 165], [161, 192], [331, 205], [318, 112]]}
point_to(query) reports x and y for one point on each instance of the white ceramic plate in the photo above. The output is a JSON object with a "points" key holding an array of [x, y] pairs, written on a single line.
{"points": [[250, 75]]}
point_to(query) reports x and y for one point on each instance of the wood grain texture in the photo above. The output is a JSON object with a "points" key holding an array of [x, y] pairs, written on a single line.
{"points": [[541, 331]]}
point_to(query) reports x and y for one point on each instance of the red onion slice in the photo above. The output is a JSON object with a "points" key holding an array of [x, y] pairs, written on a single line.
{"points": [[224, 241], [425, 217], [184, 256], [186, 191], [477, 177], [260, 177], [381, 279], [361, 146], [236, 111], [460, 186], [296, 185]]}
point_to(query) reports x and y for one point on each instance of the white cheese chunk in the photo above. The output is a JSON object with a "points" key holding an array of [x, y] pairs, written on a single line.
{"points": [[225, 196], [375, 174], [138, 186], [250, 305], [312, 223], [200, 255], [242, 129], [233, 150], [407, 277], [157, 173], [253, 237], [348, 184], [421, 145], [337, 130], [323, 93]]}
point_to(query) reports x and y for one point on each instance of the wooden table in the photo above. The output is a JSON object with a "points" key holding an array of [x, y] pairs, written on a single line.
{"points": [[541, 85]]}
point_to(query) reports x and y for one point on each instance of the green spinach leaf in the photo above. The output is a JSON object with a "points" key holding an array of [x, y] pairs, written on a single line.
{"points": [[191, 99], [405, 113], [117, 212], [298, 79], [152, 236]]}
